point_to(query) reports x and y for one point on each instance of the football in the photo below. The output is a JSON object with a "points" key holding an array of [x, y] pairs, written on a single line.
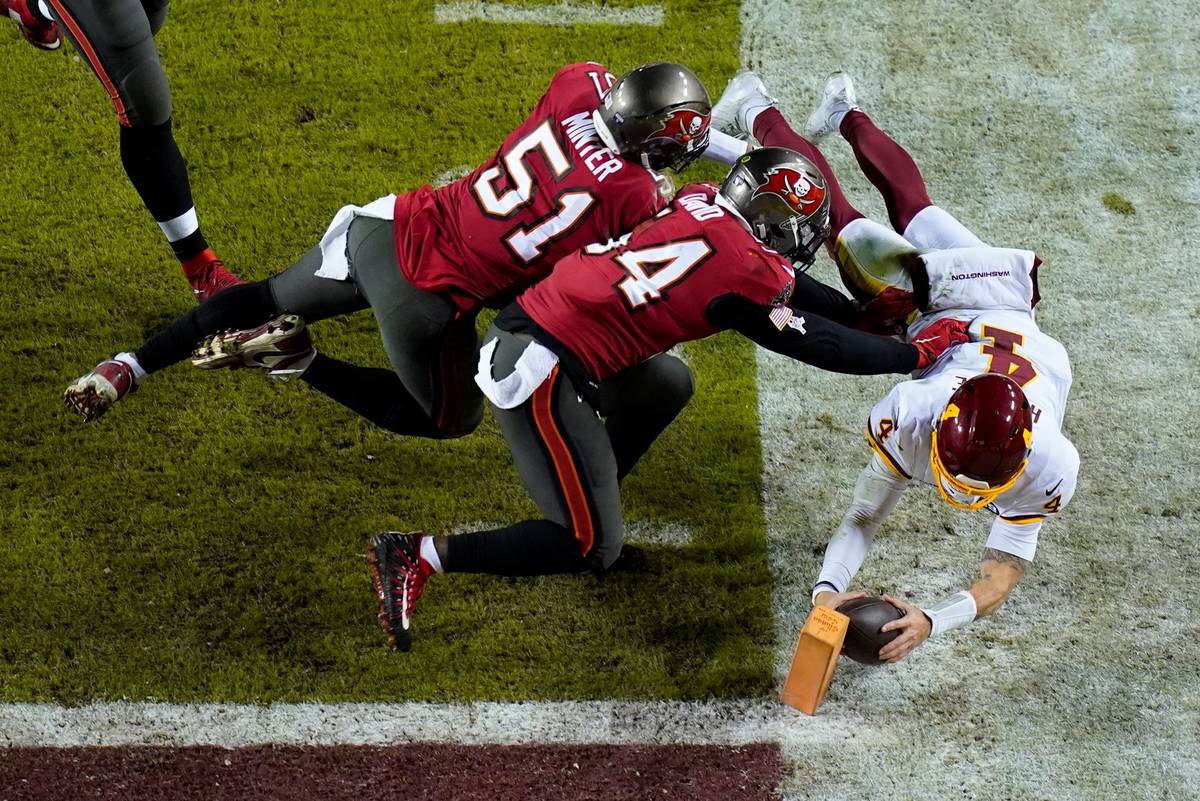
{"points": [[863, 636]]}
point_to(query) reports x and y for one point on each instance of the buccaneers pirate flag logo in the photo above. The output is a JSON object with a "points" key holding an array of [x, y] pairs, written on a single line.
{"points": [[793, 188], [685, 127]]}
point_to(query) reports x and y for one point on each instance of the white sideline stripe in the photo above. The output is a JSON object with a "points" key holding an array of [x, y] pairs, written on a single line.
{"points": [[638, 532], [125, 723], [563, 13]]}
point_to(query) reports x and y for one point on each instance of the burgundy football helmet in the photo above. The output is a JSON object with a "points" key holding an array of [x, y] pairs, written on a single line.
{"points": [[980, 446]]}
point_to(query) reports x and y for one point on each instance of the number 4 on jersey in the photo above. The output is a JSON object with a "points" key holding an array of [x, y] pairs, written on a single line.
{"points": [[673, 260], [1005, 358]]}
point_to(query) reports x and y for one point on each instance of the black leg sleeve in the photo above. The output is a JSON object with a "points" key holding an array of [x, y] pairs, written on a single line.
{"points": [[531, 548], [375, 393], [159, 174], [242, 306], [157, 169]]}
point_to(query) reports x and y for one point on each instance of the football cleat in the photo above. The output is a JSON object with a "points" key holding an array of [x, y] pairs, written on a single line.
{"points": [[836, 102], [281, 346], [209, 277], [745, 94], [94, 394], [38, 32], [399, 574]]}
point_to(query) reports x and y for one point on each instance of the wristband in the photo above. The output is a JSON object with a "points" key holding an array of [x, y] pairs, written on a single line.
{"points": [[949, 613], [820, 587]]}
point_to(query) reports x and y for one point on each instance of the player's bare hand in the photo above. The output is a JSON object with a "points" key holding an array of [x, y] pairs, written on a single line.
{"points": [[835, 599], [914, 629]]}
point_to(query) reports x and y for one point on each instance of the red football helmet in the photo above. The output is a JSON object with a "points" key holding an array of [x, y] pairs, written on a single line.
{"points": [[980, 446]]}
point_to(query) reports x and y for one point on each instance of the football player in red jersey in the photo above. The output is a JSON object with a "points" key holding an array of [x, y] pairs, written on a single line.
{"points": [[567, 352], [579, 169], [116, 39]]}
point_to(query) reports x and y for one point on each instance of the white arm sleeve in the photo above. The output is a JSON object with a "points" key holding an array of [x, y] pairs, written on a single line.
{"points": [[1019, 539], [875, 495], [724, 148]]}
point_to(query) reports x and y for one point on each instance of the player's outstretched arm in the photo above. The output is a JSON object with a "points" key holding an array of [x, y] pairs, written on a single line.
{"points": [[812, 339], [876, 493], [810, 295], [998, 574]]}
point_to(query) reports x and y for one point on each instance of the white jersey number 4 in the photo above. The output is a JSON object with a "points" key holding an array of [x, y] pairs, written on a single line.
{"points": [[674, 261]]}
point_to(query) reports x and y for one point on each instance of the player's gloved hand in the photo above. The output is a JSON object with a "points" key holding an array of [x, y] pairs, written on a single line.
{"points": [[835, 599], [938, 337], [887, 313], [914, 629]]}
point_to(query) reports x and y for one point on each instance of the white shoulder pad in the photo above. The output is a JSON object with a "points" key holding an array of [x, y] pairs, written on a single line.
{"points": [[1048, 483]]}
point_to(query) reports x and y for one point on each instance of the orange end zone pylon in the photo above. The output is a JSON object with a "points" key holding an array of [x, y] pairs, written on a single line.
{"points": [[816, 657]]}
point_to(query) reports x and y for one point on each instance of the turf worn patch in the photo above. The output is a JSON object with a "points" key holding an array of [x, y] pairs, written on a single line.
{"points": [[1115, 202], [1083, 685], [204, 540]]}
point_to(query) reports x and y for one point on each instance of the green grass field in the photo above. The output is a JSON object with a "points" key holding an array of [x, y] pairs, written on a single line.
{"points": [[203, 541]]}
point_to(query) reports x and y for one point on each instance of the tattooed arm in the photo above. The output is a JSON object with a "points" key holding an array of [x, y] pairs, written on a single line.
{"points": [[998, 574]]}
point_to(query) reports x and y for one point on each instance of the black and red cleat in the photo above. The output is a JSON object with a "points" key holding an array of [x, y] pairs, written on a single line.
{"points": [[41, 33], [94, 394], [399, 574], [207, 274]]}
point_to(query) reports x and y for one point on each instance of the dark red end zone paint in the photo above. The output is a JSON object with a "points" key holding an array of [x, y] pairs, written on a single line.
{"points": [[358, 773]]}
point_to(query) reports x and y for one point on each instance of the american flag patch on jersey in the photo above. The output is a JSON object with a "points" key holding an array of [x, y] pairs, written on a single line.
{"points": [[780, 316]]}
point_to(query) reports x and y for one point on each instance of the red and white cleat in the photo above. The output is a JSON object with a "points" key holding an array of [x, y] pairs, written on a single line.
{"points": [[207, 274], [38, 32], [281, 346], [399, 574], [94, 394]]}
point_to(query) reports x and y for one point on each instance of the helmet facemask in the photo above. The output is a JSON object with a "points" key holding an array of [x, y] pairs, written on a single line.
{"points": [[962, 491], [660, 153], [799, 238], [782, 197]]}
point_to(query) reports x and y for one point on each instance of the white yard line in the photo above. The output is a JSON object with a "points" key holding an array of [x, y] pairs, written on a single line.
{"points": [[562, 13], [125, 723]]}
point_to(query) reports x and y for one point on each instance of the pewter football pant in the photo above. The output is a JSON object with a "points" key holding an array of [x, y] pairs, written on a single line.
{"points": [[430, 390], [571, 461], [116, 39]]}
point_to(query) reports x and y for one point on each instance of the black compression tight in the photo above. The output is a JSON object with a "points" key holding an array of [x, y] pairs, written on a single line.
{"points": [[242, 306]]}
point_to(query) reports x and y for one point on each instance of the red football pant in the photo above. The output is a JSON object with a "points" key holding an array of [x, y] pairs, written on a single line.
{"points": [[888, 166]]}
